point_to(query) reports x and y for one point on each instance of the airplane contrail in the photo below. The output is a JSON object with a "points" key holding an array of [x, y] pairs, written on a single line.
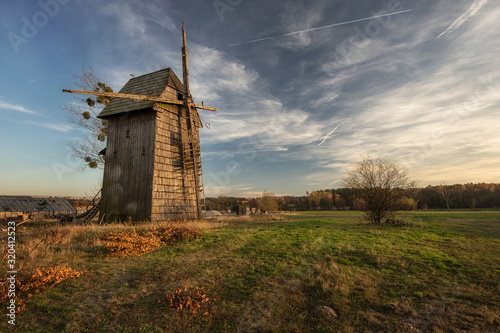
{"points": [[322, 27], [328, 135], [473, 10]]}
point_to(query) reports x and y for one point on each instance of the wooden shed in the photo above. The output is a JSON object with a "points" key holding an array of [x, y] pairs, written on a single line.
{"points": [[27, 207], [153, 167]]}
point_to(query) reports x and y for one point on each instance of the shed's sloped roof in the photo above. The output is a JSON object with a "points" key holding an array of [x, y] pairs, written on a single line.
{"points": [[23, 204], [152, 84]]}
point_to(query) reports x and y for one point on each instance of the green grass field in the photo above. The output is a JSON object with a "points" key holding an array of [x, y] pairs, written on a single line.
{"points": [[437, 272]]}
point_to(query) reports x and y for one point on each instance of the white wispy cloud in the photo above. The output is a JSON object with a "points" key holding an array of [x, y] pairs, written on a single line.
{"points": [[214, 191], [15, 107], [140, 27], [164, 22], [131, 23], [433, 119], [427, 124], [213, 74], [247, 108], [299, 22], [37, 122], [473, 10], [440, 121], [219, 155], [56, 127], [243, 188], [59, 127]]}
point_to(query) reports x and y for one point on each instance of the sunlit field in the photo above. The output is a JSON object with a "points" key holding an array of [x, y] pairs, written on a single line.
{"points": [[433, 272]]}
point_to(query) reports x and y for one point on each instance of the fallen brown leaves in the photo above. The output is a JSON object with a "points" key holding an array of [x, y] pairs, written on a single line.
{"points": [[55, 237], [125, 243], [192, 299], [32, 282]]}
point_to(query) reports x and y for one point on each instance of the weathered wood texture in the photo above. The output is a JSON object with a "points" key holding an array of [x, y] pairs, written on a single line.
{"points": [[174, 193], [128, 172]]}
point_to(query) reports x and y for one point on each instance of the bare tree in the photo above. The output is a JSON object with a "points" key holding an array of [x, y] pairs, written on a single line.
{"points": [[445, 193], [380, 183], [83, 113]]}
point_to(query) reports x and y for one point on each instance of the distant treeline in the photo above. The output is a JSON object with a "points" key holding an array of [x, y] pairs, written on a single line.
{"points": [[468, 196]]}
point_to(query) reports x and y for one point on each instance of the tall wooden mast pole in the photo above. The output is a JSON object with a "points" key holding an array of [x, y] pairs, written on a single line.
{"points": [[190, 124], [185, 66]]}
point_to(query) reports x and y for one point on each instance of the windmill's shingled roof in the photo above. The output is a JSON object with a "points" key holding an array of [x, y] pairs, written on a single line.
{"points": [[152, 84]]}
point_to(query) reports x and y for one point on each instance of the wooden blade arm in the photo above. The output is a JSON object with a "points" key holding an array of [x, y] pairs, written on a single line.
{"points": [[197, 106], [138, 97], [131, 96]]}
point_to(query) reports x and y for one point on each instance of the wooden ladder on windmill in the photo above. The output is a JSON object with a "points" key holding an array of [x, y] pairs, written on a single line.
{"points": [[190, 146], [191, 156]]}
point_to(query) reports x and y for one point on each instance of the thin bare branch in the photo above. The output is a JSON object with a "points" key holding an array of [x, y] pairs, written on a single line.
{"points": [[83, 113]]}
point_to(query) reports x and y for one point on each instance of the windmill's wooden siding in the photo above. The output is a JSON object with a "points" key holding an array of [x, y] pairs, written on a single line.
{"points": [[143, 175], [128, 173], [173, 194]]}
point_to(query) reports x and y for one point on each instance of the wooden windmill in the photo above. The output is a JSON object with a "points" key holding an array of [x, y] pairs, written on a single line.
{"points": [[153, 161]]}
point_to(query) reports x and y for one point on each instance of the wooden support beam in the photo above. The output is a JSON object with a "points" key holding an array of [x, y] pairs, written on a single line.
{"points": [[138, 97]]}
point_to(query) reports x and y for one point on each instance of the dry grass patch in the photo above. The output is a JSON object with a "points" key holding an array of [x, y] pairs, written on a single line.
{"points": [[344, 285], [231, 219], [280, 306], [206, 224]]}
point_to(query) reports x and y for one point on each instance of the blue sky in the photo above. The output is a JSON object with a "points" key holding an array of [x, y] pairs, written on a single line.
{"points": [[420, 84]]}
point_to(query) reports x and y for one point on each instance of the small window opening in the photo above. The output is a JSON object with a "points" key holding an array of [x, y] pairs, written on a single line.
{"points": [[127, 135], [180, 96]]}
